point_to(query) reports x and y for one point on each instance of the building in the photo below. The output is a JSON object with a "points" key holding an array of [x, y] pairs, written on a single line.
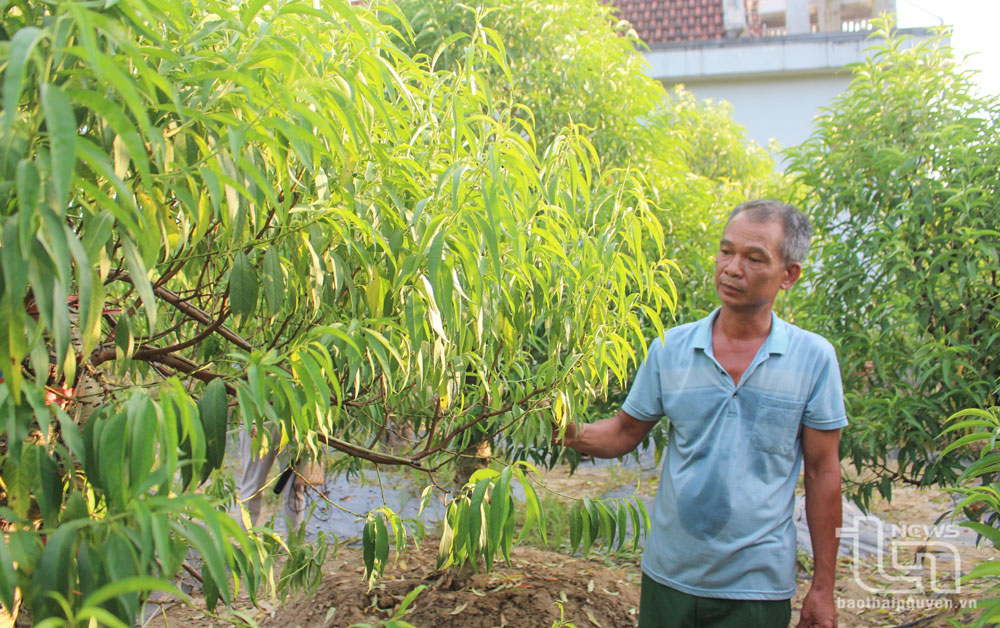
{"points": [[776, 61]]}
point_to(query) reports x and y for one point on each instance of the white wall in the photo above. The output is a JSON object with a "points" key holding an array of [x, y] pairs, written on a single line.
{"points": [[781, 108], [775, 84]]}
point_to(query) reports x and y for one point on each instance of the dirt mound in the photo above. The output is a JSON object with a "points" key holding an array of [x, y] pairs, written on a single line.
{"points": [[527, 594]]}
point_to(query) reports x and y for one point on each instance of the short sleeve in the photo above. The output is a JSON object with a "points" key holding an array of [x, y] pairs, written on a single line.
{"points": [[644, 400], [825, 405]]}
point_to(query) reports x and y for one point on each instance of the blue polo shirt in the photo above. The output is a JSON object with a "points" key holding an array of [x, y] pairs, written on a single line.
{"points": [[722, 521]]}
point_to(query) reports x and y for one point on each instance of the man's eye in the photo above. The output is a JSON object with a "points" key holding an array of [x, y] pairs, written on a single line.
{"points": [[756, 260]]}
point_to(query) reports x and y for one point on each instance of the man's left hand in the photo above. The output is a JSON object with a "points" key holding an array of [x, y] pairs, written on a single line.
{"points": [[818, 610]]}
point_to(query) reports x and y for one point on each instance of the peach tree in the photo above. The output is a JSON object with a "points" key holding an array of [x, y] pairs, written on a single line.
{"points": [[219, 216]]}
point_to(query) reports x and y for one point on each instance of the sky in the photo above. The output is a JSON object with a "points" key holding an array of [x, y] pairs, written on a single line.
{"points": [[977, 30]]}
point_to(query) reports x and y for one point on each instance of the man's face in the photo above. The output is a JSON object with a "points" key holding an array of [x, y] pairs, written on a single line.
{"points": [[749, 269]]}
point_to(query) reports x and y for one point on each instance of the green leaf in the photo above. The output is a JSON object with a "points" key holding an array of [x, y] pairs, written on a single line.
{"points": [[124, 341], [19, 476], [215, 564], [575, 527], [140, 279], [61, 124], [534, 506], [989, 568], [965, 440], [91, 443], [405, 604], [381, 543], [127, 136], [274, 281], [984, 530], [50, 488], [8, 578], [101, 616], [476, 509], [142, 445], [242, 286], [622, 522], [21, 46], [121, 558], [590, 521], [52, 575], [96, 233], [368, 546], [209, 589], [29, 185], [607, 525], [15, 270], [636, 524], [499, 508], [507, 540], [645, 515], [91, 569], [76, 508], [111, 461], [214, 412]]}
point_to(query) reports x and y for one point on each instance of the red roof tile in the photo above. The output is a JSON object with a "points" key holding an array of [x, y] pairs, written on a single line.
{"points": [[661, 21]]}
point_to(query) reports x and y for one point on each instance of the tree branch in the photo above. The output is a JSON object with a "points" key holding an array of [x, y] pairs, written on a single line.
{"points": [[176, 362], [484, 414], [205, 333], [192, 312], [368, 454]]}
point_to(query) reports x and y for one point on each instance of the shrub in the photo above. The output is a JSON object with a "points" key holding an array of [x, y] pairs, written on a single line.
{"points": [[902, 171]]}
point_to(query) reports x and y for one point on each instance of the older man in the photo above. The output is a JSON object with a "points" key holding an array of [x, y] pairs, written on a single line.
{"points": [[749, 398]]}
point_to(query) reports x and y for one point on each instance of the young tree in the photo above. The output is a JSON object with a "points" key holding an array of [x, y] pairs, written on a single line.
{"points": [[903, 175]]}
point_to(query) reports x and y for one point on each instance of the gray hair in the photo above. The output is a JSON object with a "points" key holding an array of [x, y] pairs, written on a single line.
{"points": [[798, 230]]}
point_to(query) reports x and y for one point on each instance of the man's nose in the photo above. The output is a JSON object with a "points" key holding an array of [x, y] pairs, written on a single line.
{"points": [[732, 267]]}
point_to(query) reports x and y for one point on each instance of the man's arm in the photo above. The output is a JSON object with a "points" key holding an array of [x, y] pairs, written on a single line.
{"points": [[823, 513], [608, 438]]}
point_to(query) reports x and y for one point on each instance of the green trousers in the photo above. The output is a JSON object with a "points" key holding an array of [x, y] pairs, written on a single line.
{"points": [[663, 607]]}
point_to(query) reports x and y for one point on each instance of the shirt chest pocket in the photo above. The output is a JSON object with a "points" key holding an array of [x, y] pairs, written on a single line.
{"points": [[776, 424]]}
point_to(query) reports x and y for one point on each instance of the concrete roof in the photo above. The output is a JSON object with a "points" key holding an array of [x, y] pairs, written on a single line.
{"points": [[812, 53]]}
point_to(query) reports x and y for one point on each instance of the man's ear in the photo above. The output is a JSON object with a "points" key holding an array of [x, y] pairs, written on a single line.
{"points": [[792, 273]]}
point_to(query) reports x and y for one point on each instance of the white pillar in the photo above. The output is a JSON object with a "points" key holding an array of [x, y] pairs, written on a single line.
{"points": [[797, 16], [829, 16], [734, 17], [884, 6]]}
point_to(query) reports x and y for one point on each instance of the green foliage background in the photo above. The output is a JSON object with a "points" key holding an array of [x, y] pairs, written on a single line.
{"points": [[903, 173]]}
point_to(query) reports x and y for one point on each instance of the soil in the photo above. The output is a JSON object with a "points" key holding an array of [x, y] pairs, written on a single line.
{"points": [[539, 588], [527, 593], [600, 591]]}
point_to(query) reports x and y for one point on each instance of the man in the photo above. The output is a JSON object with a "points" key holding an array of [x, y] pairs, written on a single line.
{"points": [[749, 398], [253, 482]]}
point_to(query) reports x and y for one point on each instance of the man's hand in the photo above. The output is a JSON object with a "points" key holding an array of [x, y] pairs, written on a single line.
{"points": [[607, 438], [818, 610], [568, 438]]}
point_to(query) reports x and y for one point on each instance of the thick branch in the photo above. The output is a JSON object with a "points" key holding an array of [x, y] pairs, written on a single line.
{"points": [[176, 362], [205, 333], [368, 454], [192, 312]]}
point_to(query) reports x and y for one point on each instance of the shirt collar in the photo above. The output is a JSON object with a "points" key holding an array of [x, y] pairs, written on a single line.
{"points": [[776, 343]]}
